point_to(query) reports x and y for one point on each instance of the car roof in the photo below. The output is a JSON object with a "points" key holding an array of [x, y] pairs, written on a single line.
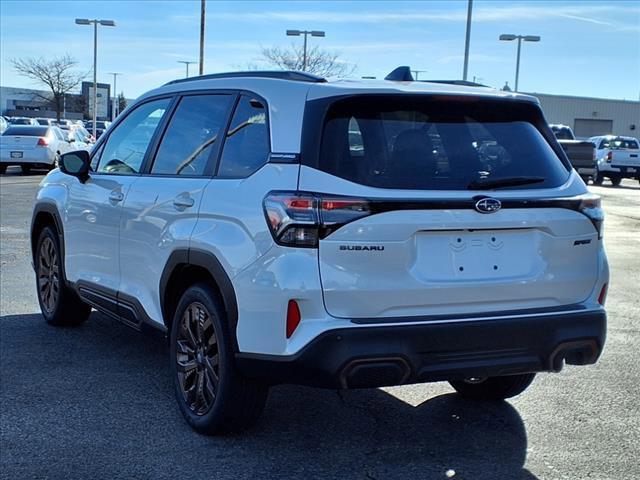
{"points": [[286, 94]]}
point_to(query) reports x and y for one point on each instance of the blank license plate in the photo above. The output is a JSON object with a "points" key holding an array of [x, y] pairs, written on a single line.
{"points": [[16, 154]]}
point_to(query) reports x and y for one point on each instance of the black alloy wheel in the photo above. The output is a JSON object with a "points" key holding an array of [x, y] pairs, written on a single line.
{"points": [[197, 359]]}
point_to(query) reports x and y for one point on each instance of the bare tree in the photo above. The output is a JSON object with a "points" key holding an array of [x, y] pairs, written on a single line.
{"points": [[319, 62], [57, 74]]}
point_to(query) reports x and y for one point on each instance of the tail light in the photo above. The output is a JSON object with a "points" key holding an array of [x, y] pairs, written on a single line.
{"points": [[298, 219], [43, 142], [609, 156], [591, 206]]}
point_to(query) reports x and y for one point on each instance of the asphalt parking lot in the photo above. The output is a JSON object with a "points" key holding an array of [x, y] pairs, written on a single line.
{"points": [[97, 401]]}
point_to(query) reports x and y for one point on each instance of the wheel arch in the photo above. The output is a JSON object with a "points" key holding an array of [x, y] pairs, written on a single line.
{"points": [[188, 266], [46, 214]]}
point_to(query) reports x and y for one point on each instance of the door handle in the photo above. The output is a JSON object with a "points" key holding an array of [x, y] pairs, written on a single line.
{"points": [[183, 201], [116, 196]]}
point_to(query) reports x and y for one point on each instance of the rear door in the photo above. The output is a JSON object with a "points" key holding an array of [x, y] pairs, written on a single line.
{"points": [[162, 206], [425, 243]]}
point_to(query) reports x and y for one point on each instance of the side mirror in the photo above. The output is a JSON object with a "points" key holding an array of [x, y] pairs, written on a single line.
{"points": [[72, 139], [76, 163]]}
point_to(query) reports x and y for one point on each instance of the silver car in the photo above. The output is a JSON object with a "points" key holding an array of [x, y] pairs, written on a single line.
{"points": [[32, 147]]}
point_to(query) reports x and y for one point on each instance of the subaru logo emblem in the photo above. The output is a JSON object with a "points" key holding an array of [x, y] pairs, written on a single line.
{"points": [[488, 205]]}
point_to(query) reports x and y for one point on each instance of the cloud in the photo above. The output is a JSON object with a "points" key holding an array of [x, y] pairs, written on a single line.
{"points": [[578, 12]]}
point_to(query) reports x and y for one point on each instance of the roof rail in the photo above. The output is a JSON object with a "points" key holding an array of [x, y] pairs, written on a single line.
{"points": [[291, 75], [465, 83]]}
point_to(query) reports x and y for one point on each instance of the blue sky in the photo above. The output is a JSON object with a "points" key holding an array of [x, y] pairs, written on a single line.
{"points": [[588, 48]]}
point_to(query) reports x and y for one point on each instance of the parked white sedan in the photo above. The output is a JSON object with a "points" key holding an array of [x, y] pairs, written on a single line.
{"points": [[32, 147]]}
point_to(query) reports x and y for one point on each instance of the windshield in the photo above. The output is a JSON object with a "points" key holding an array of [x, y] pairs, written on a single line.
{"points": [[27, 131], [417, 144]]}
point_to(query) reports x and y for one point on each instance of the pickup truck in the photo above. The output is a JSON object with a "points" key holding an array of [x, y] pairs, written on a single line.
{"points": [[581, 154], [618, 158]]}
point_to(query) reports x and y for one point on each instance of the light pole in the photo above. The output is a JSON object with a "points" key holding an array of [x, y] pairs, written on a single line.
{"points": [[104, 23], [508, 37], [202, 20], [297, 33], [114, 107], [467, 40], [187, 65]]}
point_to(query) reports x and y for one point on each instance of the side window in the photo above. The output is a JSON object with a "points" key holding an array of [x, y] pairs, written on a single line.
{"points": [[127, 143], [246, 147], [192, 135], [58, 134]]}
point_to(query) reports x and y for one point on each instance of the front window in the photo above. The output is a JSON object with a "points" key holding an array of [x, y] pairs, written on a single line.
{"points": [[126, 146]]}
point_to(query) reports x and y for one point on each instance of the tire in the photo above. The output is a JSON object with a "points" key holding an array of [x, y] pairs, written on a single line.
{"points": [[25, 169], [59, 304], [598, 179], [493, 388], [212, 395], [615, 181], [3, 168]]}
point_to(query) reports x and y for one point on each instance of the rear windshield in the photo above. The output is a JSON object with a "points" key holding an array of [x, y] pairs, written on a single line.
{"points": [[27, 131], [21, 121], [411, 143], [619, 144]]}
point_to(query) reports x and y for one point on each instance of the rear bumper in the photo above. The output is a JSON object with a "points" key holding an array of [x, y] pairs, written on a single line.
{"points": [[399, 354], [29, 157]]}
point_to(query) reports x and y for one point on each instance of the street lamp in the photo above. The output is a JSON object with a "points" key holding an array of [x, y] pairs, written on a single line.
{"points": [[297, 33], [114, 107], [187, 65], [104, 23], [508, 37]]}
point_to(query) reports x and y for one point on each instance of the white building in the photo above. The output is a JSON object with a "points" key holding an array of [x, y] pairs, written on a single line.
{"points": [[589, 117]]}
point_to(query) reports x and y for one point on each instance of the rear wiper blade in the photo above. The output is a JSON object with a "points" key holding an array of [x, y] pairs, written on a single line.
{"points": [[488, 184]]}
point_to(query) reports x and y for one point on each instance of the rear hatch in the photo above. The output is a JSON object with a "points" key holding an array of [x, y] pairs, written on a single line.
{"points": [[442, 206]]}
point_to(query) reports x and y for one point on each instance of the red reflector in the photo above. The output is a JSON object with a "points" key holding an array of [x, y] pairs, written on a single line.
{"points": [[603, 294], [43, 142], [293, 317]]}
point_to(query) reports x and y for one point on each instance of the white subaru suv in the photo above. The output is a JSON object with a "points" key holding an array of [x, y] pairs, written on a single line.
{"points": [[280, 228]]}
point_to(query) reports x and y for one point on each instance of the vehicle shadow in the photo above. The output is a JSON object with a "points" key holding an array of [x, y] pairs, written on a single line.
{"points": [[97, 402]]}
